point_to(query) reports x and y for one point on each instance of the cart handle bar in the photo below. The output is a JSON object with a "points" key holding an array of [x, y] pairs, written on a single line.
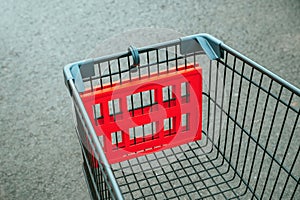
{"points": [[189, 44]]}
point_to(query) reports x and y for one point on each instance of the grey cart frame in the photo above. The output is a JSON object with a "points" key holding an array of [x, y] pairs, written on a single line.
{"points": [[251, 130]]}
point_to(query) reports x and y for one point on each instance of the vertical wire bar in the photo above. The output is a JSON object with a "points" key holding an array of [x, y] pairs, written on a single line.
{"points": [[148, 64], [233, 133], [167, 59], [237, 109], [117, 142], [285, 154], [109, 69], [128, 65], [235, 120], [208, 105], [260, 130], [215, 105], [151, 100], [243, 125], [113, 108], [134, 138], [119, 68], [142, 104], [170, 131], [176, 58], [228, 112], [132, 105], [281, 131], [157, 61], [100, 76], [269, 135], [169, 98], [187, 91], [251, 127], [222, 103], [143, 128], [152, 130]]}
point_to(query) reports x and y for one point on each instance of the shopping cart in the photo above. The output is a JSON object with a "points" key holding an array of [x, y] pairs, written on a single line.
{"points": [[223, 126]]}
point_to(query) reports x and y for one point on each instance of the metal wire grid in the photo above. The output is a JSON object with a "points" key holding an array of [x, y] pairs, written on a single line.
{"points": [[251, 128], [250, 145]]}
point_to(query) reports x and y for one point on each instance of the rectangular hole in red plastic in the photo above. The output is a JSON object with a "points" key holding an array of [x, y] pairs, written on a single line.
{"points": [[167, 93], [97, 111], [185, 92], [142, 133], [169, 126], [168, 96], [117, 139], [97, 108], [141, 136], [185, 122], [114, 108]]}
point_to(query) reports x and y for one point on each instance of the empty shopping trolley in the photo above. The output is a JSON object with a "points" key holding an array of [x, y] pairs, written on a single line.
{"points": [[190, 118]]}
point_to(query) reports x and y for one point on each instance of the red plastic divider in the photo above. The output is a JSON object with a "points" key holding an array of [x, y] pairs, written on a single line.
{"points": [[173, 119]]}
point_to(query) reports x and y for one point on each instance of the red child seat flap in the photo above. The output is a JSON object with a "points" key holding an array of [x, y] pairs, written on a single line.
{"points": [[148, 114]]}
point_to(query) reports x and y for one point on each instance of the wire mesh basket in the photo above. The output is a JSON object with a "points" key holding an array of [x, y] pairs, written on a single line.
{"points": [[185, 119]]}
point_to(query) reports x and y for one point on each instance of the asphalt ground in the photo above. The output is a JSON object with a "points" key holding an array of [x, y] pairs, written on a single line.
{"points": [[40, 156]]}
